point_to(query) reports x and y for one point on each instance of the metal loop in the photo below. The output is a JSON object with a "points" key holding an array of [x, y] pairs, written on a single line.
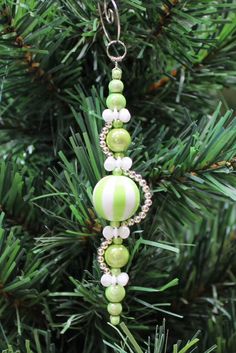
{"points": [[118, 58]]}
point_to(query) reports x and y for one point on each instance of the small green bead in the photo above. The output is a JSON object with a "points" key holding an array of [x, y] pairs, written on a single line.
{"points": [[116, 73], [114, 308], [114, 224], [118, 140], [116, 101], [117, 171], [117, 256], [117, 123], [119, 155], [117, 241], [115, 294], [115, 320], [116, 86], [115, 271]]}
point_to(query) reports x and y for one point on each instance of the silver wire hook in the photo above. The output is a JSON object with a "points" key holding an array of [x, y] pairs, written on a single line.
{"points": [[110, 13]]}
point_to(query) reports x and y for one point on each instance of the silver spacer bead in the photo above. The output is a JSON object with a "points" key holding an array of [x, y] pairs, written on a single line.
{"points": [[145, 208], [148, 202], [138, 177], [146, 188], [105, 130], [143, 183], [102, 144], [132, 174], [137, 219], [148, 195], [100, 259], [131, 222], [102, 137], [142, 215], [101, 251]]}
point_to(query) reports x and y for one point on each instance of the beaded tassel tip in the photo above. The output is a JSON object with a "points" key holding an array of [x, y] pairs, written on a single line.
{"points": [[116, 197]]}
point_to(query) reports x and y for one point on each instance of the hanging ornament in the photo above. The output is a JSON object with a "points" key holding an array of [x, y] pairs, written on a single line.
{"points": [[116, 197]]}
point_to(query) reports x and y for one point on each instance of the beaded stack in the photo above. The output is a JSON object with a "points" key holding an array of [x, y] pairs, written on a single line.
{"points": [[116, 197]]}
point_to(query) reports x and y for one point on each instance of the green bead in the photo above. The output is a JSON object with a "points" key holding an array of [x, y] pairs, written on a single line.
{"points": [[116, 73], [118, 140], [117, 241], [116, 86], [115, 271], [115, 294], [117, 171], [116, 101], [117, 256], [114, 308], [119, 155], [114, 224], [115, 320], [117, 123]]}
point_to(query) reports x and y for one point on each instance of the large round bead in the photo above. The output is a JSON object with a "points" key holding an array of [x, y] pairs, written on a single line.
{"points": [[115, 294], [116, 101], [116, 198], [117, 256], [118, 140]]}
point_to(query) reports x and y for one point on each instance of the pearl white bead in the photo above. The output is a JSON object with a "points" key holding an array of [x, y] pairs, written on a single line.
{"points": [[124, 232], [108, 232], [108, 115], [126, 163], [123, 279], [106, 280], [124, 115], [113, 280], [110, 164]]}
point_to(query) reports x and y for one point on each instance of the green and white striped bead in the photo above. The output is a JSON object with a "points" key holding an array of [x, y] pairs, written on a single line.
{"points": [[116, 198]]}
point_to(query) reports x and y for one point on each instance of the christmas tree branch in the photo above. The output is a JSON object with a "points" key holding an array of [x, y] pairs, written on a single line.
{"points": [[165, 16], [18, 41]]}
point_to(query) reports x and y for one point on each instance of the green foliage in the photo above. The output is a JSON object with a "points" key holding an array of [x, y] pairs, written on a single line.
{"points": [[53, 80]]}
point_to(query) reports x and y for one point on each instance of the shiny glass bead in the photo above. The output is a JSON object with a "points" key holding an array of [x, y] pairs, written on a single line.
{"points": [[117, 241], [116, 73], [115, 320], [118, 140], [117, 256], [115, 294], [116, 86], [116, 101], [117, 124], [115, 271]]}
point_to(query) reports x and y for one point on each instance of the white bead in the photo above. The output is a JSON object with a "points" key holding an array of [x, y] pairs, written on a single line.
{"points": [[126, 163], [123, 279], [108, 232], [106, 280], [113, 280], [115, 114], [124, 232], [124, 115], [107, 115], [110, 164], [119, 162]]}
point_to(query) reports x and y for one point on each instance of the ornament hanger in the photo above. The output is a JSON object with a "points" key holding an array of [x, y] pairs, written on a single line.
{"points": [[109, 13]]}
